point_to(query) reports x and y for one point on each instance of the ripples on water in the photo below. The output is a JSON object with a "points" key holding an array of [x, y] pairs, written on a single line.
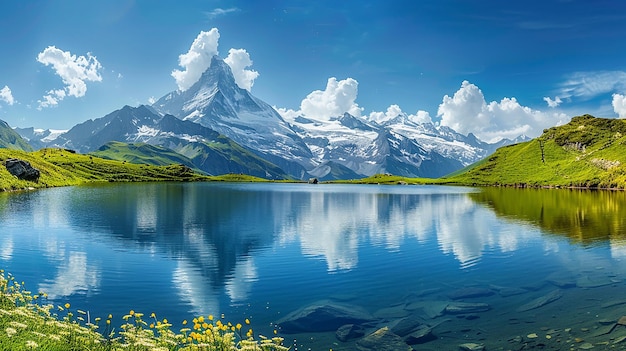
{"points": [[265, 250]]}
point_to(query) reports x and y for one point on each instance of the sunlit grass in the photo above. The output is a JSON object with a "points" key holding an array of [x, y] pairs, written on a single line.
{"points": [[29, 322]]}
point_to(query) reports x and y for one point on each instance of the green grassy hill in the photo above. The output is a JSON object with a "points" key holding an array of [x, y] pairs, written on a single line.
{"points": [[587, 152], [141, 153], [11, 140], [60, 167]]}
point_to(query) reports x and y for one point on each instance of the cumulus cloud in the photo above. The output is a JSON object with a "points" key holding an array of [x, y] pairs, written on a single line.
{"points": [[74, 71], [338, 97], [197, 59], [553, 103], [6, 95], [239, 60], [619, 105], [51, 99], [467, 111], [394, 110]]}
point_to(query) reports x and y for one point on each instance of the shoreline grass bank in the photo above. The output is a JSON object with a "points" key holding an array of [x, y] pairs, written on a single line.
{"points": [[29, 322]]}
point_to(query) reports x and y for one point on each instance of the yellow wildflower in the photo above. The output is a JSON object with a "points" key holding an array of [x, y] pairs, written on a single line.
{"points": [[210, 317], [67, 305]]}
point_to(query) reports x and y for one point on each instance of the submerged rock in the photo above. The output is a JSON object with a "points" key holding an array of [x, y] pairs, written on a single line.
{"points": [[349, 331], [541, 301], [430, 309], [467, 307], [472, 292], [470, 346], [421, 335], [382, 339], [407, 325], [323, 316]]}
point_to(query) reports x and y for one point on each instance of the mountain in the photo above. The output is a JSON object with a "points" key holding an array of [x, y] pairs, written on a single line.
{"points": [[398, 146], [216, 102], [586, 152], [205, 148], [10, 139], [223, 128], [38, 138]]}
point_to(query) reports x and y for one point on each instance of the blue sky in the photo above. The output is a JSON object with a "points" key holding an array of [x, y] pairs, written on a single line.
{"points": [[488, 67]]}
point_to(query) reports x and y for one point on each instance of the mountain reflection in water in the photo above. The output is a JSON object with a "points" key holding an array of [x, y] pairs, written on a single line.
{"points": [[264, 250]]}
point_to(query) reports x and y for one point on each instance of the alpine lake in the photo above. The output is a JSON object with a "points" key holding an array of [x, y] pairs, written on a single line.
{"points": [[325, 266]]}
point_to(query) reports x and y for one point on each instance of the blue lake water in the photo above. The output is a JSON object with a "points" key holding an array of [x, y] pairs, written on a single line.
{"points": [[262, 251]]}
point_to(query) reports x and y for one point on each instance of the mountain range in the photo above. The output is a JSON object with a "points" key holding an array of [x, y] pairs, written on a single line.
{"points": [[218, 127]]}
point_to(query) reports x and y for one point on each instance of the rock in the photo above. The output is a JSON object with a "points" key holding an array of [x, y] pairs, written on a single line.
{"points": [[562, 280], [586, 346], [22, 169], [382, 339], [391, 312], [467, 307], [406, 325], [349, 331], [587, 282], [323, 316], [470, 346], [506, 291], [421, 335], [430, 309], [467, 293], [541, 301]]}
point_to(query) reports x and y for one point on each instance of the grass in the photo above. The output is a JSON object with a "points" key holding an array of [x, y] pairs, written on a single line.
{"points": [[61, 167], [588, 152], [28, 322]]}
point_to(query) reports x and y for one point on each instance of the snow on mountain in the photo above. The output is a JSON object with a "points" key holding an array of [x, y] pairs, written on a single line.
{"points": [[368, 148], [440, 139], [215, 101]]}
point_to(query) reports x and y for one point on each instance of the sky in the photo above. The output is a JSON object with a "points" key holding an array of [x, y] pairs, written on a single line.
{"points": [[493, 68]]}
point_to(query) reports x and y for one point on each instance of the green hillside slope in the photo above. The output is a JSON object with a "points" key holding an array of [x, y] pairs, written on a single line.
{"points": [[60, 167], [10, 139], [141, 153], [587, 152]]}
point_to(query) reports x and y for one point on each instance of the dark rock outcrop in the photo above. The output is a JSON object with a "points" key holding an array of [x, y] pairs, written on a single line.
{"points": [[22, 169]]}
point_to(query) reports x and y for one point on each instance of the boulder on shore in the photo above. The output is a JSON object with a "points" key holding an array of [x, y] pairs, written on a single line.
{"points": [[323, 316], [22, 169]]}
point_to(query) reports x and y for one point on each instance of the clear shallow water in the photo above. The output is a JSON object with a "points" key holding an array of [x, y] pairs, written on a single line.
{"points": [[261, 251]]}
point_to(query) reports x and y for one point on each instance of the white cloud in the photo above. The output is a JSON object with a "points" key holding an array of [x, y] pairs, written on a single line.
{"points": [[338, 97], [619, 105], [197, 59], [6, 95], [74, 71], [238, 60], [220, 12], [395, 110], [468, 112], [51, 99], [587, 85], [553, 103]]}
